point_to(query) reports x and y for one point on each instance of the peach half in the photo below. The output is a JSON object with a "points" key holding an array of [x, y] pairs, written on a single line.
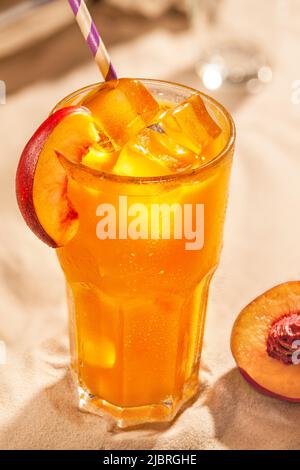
{"points": [[265, 342], [41, 181]]}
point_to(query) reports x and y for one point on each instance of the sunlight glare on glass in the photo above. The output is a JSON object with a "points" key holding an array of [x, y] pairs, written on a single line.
{"points": [[211, 76]]}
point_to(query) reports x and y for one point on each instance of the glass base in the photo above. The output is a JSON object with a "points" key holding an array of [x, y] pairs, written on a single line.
{"points": [[164, 411]]}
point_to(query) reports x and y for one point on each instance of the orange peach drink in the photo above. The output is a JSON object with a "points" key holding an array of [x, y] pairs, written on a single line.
{"points": [[137, 304]]}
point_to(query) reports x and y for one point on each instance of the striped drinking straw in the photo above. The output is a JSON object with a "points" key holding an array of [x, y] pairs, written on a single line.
{"points": [[93, 39]]}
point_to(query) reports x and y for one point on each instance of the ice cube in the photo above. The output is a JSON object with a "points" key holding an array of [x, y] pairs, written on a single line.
{"points": [[190, 124], [122, 108], [96, 315], [100, 352], [154, 153]]}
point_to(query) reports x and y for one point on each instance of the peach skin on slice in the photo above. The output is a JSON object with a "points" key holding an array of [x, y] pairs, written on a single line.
{"points": [[265, 342], [41, 181]]}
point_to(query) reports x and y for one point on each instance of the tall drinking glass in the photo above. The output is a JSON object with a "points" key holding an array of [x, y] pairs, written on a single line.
{"points": [[137, 304]]}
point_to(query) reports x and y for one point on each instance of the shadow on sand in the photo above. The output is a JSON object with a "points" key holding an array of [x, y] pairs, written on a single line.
{"points": [[245, 419]]}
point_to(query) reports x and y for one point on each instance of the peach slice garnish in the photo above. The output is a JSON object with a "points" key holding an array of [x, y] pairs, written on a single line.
{"points": [[264, 342], [41, 181]]}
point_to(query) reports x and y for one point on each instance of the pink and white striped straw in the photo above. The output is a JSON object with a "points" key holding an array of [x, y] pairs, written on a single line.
{"points": [[93, 39]]}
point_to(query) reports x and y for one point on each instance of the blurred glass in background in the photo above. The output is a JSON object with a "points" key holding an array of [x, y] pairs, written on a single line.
{"points": [[237, 41], [149, 8]]}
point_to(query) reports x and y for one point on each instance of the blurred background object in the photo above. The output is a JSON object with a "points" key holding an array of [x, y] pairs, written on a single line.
{"points": [[39, 39], [232, 43], [237, 41], [24, 22], [150, 8]]}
